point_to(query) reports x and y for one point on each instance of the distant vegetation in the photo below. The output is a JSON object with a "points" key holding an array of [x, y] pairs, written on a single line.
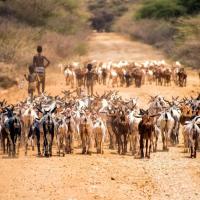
{"points": [[106, 12], [170, 25], [168, 9], [60, 26]]}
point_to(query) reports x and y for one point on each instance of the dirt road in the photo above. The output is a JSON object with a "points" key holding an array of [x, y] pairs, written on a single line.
{"points": [[167, 175]]}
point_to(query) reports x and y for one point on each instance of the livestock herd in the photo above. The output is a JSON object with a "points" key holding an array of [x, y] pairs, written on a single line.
{"points": [[63, 122], [124, 73]]}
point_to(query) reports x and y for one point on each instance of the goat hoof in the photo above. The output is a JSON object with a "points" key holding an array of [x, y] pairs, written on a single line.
{"points": [[46, 155], [89, 153], [39, 155]]}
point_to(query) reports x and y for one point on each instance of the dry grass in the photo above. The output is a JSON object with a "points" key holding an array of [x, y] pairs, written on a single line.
{"points": [[60, 26]]}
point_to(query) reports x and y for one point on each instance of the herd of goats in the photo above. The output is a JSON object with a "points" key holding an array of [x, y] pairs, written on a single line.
{"points": [[124, 73], [91, 122]]}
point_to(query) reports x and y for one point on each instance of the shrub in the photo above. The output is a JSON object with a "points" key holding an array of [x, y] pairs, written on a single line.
{"points": [[105, 13], [14, 40], [161, 9], [192, 6], [7, 82], [189, 53], [60, 26], [64, 16], [31, 12], [102, 21], [153, 32]]}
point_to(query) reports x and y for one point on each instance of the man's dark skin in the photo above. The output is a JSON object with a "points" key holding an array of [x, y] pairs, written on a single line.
{"points": [[40, 63], [89, 80]]}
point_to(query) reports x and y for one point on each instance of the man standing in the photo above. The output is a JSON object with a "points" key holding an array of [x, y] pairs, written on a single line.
{"points": [[40, 63], [89, 80]]}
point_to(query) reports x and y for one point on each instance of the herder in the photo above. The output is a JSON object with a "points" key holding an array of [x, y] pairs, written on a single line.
{"points": [[89, 80], [40, 66]]}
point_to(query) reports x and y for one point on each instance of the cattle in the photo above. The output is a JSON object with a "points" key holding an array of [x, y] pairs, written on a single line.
{"points": [[182, 78], [175, 112], [80, 74], [167, 77], [70, 131], [34, 131], [186, 113], [166, 124], [121, 130], [137, 76], [60, 134], [99, 130], [3, 133], [134, 132], [48, 129], [4, 138], [146, 128], [149, 76], [84, 121], [158, 76], [191, 134], [70, 77], [114, 78], [85, 128], [12, 126], [123, 72], [111, 115], [29, 118]]}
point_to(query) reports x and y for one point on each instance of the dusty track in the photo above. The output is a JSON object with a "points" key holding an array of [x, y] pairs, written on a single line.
{"points": [[167, 175]]}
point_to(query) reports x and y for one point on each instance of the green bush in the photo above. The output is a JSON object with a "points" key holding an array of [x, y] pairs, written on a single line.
{"points": [[161, 9], [168, 8], [192, 6]]}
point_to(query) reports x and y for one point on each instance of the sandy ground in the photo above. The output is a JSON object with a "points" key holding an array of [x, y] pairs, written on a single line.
{"points": [[167, 175]]}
